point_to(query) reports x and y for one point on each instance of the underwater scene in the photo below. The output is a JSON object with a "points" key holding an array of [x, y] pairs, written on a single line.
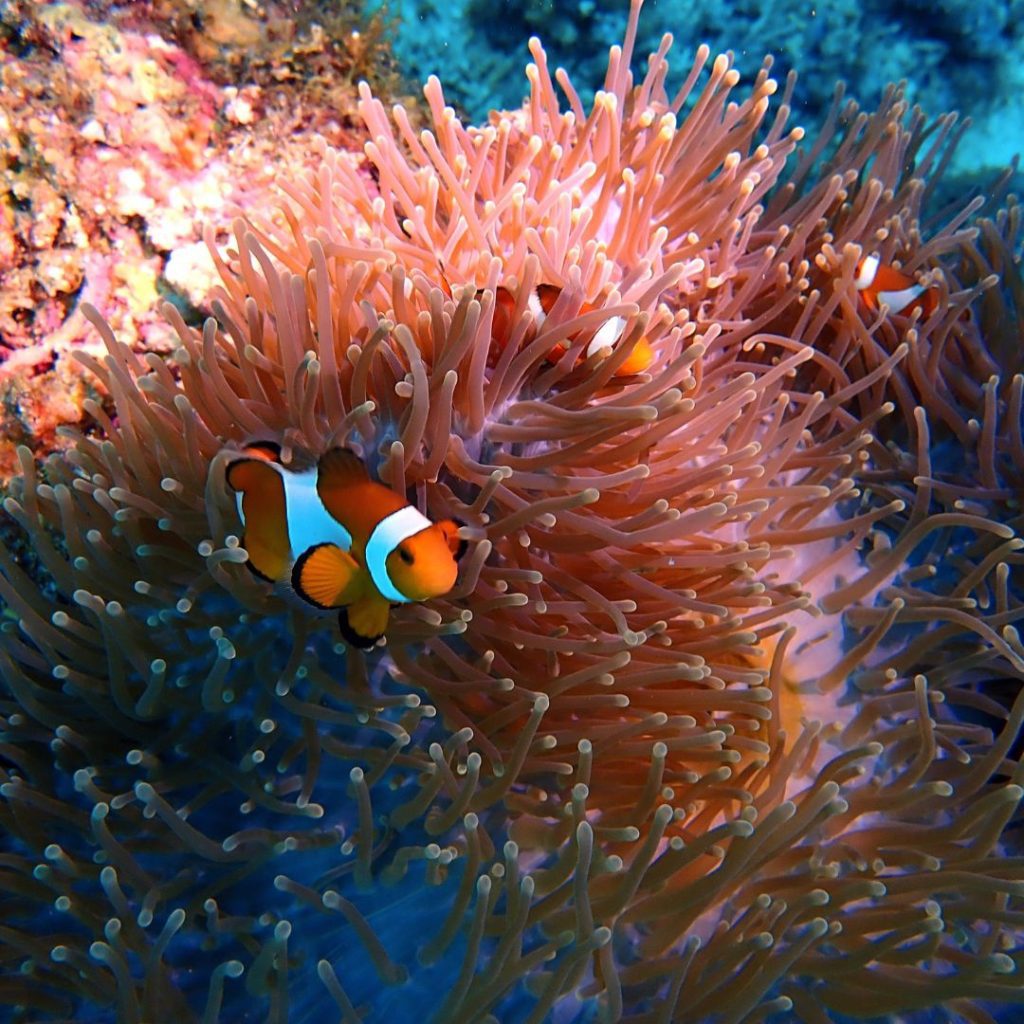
{"points": [[511, 512]]}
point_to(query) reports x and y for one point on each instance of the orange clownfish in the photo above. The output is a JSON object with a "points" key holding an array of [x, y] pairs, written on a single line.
{"points": [[540, 303], [542, 300], [880, 284], [340, 539]]}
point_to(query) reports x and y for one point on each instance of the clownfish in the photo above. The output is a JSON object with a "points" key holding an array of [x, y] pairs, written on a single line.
{"points": [[880, 284], [540, 302], [340, 539]]}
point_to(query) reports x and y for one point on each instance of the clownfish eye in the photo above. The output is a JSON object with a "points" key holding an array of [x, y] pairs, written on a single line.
{"points": [[406, 556]]}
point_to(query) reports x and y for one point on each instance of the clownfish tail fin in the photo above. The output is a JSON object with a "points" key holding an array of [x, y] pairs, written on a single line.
{"points": [[251, 475], [262, 507]]}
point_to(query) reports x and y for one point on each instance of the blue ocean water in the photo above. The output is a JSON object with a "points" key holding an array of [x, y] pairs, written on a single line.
{"points": [[962, 55]]}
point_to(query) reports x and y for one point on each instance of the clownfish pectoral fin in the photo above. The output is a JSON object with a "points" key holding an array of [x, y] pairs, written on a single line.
{"points": [[325, 576], [262, 505], [364, 622], [456, 544]]}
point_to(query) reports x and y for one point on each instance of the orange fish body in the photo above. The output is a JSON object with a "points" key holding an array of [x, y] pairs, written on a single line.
{"points": [[503, 318], [607, 336], [882, 285], [340, 539]]}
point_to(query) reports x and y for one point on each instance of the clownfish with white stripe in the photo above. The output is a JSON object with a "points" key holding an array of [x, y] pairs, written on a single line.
{"points": [[880, 284], [340, 539], [540, 302]]}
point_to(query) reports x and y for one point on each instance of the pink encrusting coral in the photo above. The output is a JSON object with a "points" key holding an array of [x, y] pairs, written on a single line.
{"points": [[117, 147], [694, 750]]}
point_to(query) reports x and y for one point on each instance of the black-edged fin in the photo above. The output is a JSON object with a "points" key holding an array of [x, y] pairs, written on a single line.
{"points": [[324, 575], [264, 511], [350, 636], [251, 566]]}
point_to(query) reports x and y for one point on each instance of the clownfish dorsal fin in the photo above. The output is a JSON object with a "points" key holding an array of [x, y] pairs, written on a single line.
{"points": [[341, 467]]}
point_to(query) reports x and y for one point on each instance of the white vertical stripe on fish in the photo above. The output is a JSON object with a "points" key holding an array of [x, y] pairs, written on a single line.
{"points": [[386, 536]]}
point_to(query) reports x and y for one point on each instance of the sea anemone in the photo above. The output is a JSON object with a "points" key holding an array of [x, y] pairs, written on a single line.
{"points": [[709, 725]]}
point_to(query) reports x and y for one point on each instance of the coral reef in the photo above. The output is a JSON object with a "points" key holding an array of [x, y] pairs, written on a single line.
{"points": [[721, 719], [118, 143]]}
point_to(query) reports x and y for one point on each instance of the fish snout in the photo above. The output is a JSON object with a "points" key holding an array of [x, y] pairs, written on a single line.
{"points": [[438, 576]]}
